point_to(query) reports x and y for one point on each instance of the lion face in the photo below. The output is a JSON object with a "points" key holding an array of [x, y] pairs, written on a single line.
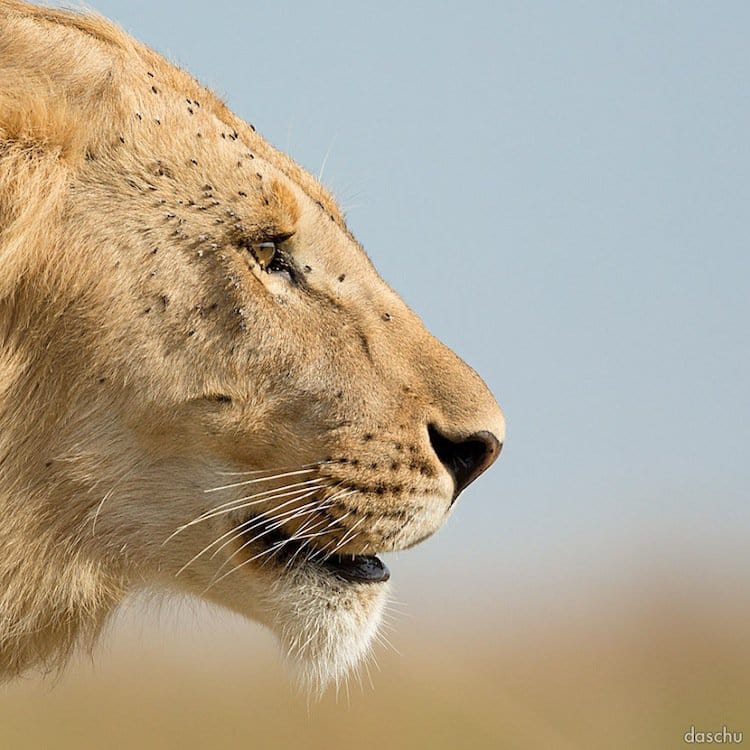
{"points": [[307, 417], [246, 411]]}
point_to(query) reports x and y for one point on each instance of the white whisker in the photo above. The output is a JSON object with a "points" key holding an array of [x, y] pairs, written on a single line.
{"points": [[276, 521], [240, 565], [349, 535], [237, 531], [259, 479], [239, 504], [273, 470], [107, 496]]}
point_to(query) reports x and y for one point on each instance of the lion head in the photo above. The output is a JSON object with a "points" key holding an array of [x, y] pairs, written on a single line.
{"points": [[204, 383]]}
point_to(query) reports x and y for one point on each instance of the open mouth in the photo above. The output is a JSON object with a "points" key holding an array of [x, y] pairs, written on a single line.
{"points": [[290, 551]]}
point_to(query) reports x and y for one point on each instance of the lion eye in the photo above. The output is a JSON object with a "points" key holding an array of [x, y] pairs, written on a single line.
{"points": [[272, 258], [264, 253]]}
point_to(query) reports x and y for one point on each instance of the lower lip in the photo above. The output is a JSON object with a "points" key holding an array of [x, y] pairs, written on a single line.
{"points": [[358, 568]]}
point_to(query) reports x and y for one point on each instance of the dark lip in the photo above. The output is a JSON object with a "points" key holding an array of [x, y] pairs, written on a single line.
{"points": [[358, 568], [351, 568]]}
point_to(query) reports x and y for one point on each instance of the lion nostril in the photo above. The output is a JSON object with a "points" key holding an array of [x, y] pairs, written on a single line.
{"points": [[466, 458]]}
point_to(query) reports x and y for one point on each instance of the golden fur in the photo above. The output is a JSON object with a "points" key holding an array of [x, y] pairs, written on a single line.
{"points": [[145, 355]]}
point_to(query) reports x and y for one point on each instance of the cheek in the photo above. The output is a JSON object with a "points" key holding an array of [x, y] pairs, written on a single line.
{"points": [[142, 511], [261, 432]]}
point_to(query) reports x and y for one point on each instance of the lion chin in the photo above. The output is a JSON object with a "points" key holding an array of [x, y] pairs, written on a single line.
{"points": [[325, 626], [205, 385], [325, 611]]}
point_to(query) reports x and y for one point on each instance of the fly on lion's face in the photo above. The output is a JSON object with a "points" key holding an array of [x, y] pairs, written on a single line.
{"points": [[230, 400]]}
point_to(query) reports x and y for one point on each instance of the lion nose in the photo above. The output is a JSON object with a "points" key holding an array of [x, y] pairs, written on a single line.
{"points": [[467, 458]]}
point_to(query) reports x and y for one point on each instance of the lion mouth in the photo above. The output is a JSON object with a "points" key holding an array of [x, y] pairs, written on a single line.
{"points": [[290, 551], [358, 568]]}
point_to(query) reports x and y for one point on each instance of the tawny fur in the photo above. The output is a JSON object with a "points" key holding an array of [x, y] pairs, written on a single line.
{"points": [[129, 195]]}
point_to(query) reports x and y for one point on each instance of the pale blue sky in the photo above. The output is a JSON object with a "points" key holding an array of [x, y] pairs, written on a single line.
{"points": [[562, 191]]}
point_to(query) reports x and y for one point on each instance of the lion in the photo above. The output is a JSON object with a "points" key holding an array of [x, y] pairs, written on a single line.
{"points": [[205, 385]]}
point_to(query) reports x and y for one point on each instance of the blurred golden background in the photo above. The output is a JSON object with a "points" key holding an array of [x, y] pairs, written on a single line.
{"points": [[600, 669]]}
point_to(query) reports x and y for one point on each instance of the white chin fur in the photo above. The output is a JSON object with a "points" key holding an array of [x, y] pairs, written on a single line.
{"points": [[326, 627]]}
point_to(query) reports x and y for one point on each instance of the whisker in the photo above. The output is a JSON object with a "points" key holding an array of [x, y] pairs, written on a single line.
{"points": [[239, 530], [276, 522], [294, 513], [229, 506], [108, 495], [239, 503], [348, 536], [237, 567], [307, 537], [345, 540], [304, 510], [275, 469], [331, 523], [343, 493], [338, 520], [271, 520], [260, 479]]}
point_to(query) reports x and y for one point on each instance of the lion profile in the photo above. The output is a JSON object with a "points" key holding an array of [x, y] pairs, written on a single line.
{"points": [[204, 384]]}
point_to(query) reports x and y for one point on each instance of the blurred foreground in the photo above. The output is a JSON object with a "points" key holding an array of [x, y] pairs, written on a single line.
{"points": [[624, 671]]}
